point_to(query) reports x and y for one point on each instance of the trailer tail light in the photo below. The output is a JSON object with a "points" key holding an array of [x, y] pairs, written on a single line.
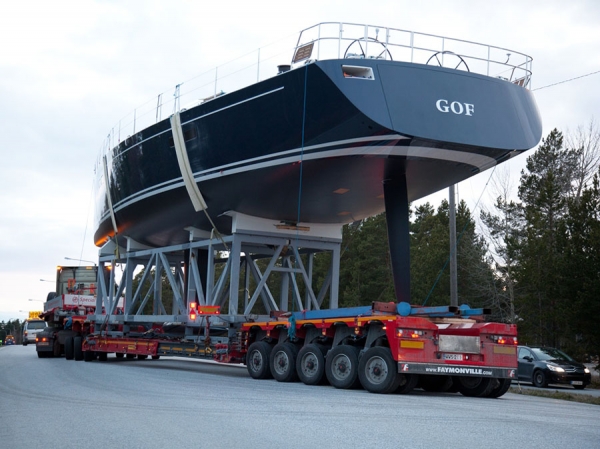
{"points": [[193, 313], [209, 310], [409, 333], [501, 340]]}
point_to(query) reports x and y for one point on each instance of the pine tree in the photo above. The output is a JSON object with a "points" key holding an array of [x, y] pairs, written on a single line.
{"points": [[545, 187], [505, 232], [583, 266], [365, 267], [430, 251]]}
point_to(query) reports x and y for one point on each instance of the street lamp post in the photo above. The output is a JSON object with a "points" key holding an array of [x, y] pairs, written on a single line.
{"points": [[80, 260]]}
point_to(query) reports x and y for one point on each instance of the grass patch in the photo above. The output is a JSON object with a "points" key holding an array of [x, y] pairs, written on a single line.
{"points": [[565, 396]]}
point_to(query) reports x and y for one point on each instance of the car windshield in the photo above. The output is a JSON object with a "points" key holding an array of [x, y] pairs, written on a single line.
{"points": [[551, 354], [36, 325]]}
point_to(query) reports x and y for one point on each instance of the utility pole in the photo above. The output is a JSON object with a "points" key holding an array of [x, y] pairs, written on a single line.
{"points": [[453, 271]]}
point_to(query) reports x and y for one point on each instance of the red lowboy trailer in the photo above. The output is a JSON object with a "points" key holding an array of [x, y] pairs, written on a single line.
{"points": [[384, 348]]}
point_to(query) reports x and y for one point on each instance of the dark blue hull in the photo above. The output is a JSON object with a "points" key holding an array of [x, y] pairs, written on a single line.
{"points": [[314, 146]]}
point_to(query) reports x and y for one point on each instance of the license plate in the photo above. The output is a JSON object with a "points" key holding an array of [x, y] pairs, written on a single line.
{"points": [[452, 356], [576, 382]]}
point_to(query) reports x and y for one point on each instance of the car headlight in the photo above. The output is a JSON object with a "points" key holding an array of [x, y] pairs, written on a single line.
{"points": [[557, 369], [586, 370]]}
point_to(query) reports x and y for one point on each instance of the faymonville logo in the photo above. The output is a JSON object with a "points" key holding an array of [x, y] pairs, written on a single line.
{"points": [[456, 370], [455, 107], [452, 370]]}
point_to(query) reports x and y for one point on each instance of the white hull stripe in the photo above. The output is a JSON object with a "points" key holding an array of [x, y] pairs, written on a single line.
{"points": [[286, 157]]}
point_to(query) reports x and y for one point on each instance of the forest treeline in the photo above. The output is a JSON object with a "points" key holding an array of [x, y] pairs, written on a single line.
{"points": [[535, 260]]}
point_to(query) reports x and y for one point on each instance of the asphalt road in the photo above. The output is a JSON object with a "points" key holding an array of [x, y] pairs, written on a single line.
{"points": [[169, 403]]}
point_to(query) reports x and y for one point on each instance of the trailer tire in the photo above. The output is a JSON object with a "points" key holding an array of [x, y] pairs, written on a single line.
{"points": [[69, 348], [500, 389], [56, 350], [88, 356], [454, 387], [378, 371], [142, 356], [408, 382], [103, 356], [283, 362], [42, 355], [130, 356], [77, 352], [119, 355], [341, 367], [155, 357], [435, 384], [475, 386], [258, 360], [310, 364]]}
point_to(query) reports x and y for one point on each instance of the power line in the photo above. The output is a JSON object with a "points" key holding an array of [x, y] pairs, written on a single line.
{"points": [[566, 81]]}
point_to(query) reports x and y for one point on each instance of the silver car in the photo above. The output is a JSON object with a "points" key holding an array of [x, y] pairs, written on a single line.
{"points": [[31, 328]]}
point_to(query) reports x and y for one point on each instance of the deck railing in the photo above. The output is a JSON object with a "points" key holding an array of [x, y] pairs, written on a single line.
{"points": [[332, 40]]}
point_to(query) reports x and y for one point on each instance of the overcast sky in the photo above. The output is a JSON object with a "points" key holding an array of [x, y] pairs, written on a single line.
{"points": [[69, 70]]}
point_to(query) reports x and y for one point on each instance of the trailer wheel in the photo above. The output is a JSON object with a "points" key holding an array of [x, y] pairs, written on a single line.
{"points": [[283, 362], [42, 355], [88, 356], [503, 386], [435, 384], [130, 356], [77, 352], [56, 348], [377, 371], [103, 356], [408, 382], [475, 386], [69, 348], [155, 357], [119, 355], [142, 356], [310, 364], [257, 360], [341, 367]]}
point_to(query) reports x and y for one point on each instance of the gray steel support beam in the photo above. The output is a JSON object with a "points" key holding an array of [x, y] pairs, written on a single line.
{"points": [[234, 283], [190, 272]]}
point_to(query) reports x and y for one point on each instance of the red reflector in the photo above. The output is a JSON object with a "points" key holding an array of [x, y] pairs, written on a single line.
{"points": [[192, 316], [208, 309]]}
